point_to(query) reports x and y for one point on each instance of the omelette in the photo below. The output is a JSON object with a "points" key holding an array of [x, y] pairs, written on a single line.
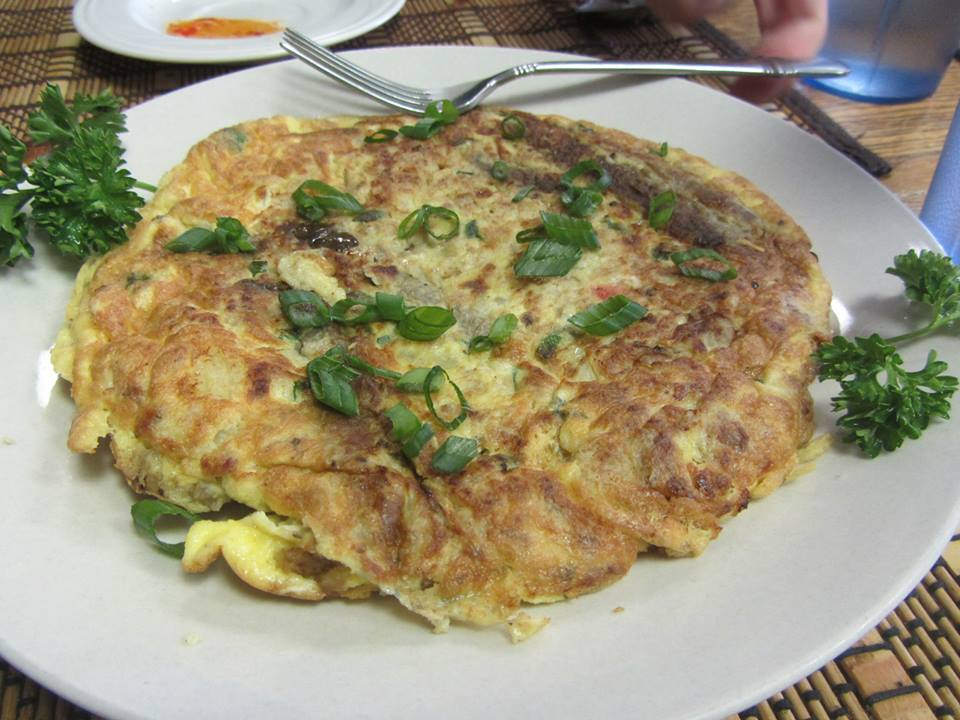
{"points": [[622, 362]]}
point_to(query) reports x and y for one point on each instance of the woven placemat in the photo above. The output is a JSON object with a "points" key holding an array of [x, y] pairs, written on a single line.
{"points": [[908, 668]]}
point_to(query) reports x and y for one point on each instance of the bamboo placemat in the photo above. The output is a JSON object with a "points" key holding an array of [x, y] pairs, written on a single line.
{"points": [[907, 668]]}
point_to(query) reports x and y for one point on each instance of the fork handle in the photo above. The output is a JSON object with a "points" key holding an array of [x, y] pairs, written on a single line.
{"points": [[766, 67]]}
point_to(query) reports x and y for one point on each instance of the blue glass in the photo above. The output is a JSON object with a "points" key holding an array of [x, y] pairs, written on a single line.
{"points": [[897, 50]]}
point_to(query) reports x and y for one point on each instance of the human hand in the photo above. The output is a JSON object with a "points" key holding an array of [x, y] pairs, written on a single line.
{"points": [[793, 29]]}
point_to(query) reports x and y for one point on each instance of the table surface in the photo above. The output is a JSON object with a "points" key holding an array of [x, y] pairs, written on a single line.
{"points": [[909, 136]]}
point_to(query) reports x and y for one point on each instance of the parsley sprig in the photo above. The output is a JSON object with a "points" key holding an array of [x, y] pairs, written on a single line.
{"points": [[79, 192], [882, 403]]}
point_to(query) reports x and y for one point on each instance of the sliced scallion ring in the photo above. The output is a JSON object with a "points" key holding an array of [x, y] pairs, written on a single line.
{"points": [[512, 127], [412, 446], [341, 311], [438, 222], [441, 223], [583, 203], [531, 234], [145, 514], [608, 317], [437, 372], [390, 307], [426, 323], [500, 170], [661, 209], [408, 430], [454, 455], [599, 184], [405, 423], [684, 259], [304, 309], [500, 331]]}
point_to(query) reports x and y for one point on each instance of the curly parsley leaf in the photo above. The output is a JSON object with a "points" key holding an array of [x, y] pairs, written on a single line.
{"points": [[882, 403], [13, 228], [83, 198], [932, 279], [58, 123], [12, 152]]}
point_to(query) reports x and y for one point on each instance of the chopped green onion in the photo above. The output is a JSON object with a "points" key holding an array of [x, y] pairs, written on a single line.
{"points": [[601, 183], [391, 307], [582, 203], [607, 317], [522, 193], [379, 136], [304, 309], [512, 127], [547, 258], [568, 230], [340, 312], [500, 170], [426, 323], [582, 200], [405, 423], [440, 223], [531, 234], [366, 368], [454, 455], [437, 115], [437, 372], [661, 209], [315, 198], [662, 151], [500, 331], [472, 230], [683, 259], [229, 236], [331, 382], [413, 380], [408, 429], [145, 514], [257, 266], [412, 446], [412, 223]]}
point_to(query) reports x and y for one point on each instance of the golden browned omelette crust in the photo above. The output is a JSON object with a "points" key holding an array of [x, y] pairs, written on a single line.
{"points": [[591, 453]]}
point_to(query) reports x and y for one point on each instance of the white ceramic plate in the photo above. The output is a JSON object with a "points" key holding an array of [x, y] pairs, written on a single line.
{"points": [[92, 611], [137, 28]]}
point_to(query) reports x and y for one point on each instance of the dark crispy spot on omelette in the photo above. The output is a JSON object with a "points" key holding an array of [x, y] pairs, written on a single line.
{"points": [[258, 378], [324, 235]]}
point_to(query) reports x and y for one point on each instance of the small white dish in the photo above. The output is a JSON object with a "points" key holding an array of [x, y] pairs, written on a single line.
{"points": [[138, 28]]}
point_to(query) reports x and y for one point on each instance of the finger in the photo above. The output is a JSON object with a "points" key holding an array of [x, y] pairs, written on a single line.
{"points": [[793, 29]]}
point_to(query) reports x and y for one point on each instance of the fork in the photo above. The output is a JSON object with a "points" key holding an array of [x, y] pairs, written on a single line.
{"points": [[466, 96]]}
